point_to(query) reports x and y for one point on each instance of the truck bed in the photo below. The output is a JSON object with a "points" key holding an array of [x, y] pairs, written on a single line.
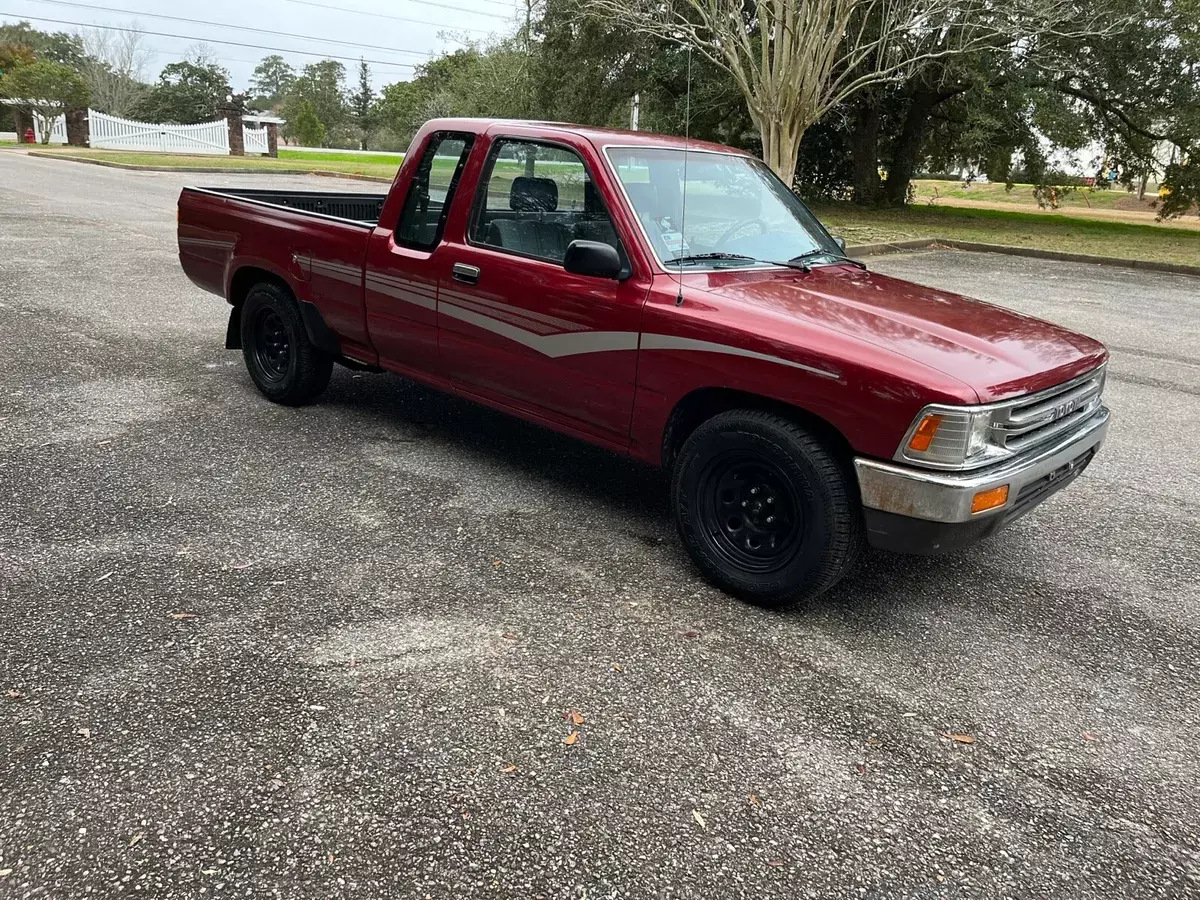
{"points": [[352, 206]]}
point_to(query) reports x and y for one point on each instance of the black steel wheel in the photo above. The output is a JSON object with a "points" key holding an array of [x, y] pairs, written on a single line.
{"points": [[282, 360], [272, 344], [749, 508], [767, 511]]}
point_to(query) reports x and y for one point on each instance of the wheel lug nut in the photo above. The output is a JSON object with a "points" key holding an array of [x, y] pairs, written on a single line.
{"points": [[770, 499], [770, 519], [745, 503], [753, 490]]}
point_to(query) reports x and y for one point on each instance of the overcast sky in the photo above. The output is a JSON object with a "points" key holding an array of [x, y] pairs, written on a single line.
{"points": [[430, 27]]}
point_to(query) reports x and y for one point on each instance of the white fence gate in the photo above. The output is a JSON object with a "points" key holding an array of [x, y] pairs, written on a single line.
{"points": [[113, 133], [255, 139], [58, 129]]}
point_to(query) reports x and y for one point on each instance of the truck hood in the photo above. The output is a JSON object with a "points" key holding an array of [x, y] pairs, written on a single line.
{"points": [[995, 351]]}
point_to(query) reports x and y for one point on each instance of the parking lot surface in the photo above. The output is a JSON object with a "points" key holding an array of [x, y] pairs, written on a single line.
{"points": [[336, 651]]}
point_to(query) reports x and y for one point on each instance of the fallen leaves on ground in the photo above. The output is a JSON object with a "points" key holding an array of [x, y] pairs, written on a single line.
{"points": [[617, 667], [571, 738], [4, 873], [1088, 736], [860, 768], [699, 819], [497, 563], [243, 566], [509, 768], [874, 742], [574, 717], [689, 634], [105, 577], [13, 695], [509, 636], [908, 715], [136, 839], [756, 800], [960, 738], [776, 863], [85, 733], [183, 615]]}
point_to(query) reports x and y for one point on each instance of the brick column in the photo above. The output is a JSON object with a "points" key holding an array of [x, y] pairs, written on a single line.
{"points": [[22, 119], [77, 127], [237, 141], [272, 139]]}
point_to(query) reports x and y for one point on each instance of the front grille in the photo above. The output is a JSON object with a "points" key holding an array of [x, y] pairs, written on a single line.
{"points": [[1047, 414], [1035, 492]]}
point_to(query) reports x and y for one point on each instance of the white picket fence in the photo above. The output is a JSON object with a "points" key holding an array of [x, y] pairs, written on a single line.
{"points": [[58, 128], [114, 133], [254, 140]]}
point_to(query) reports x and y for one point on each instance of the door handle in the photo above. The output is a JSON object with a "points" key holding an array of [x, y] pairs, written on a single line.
{"points": [[463, 272]]}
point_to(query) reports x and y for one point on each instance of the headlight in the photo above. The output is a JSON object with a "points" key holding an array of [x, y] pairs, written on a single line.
{"points": [[945, 436], [967, 437]]}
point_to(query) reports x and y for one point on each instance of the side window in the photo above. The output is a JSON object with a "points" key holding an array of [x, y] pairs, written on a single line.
{"points": [[535, 199], [431, 190]]}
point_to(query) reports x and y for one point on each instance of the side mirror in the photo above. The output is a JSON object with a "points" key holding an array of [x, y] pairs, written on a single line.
{"points": [[592, 258], [841, 242]]}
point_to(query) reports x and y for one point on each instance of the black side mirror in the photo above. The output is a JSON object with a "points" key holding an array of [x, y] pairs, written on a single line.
{"points": [[841, 242], [592, 258]]}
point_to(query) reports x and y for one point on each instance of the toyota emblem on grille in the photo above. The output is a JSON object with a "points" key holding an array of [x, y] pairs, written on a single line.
{"points": [[1065, 409]]}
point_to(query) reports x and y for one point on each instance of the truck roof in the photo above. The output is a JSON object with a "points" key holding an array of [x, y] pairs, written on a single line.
{"points": [[598, 136]]}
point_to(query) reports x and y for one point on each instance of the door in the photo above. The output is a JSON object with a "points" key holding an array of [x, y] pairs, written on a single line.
{"points": [[401, 283], [514, 326]]}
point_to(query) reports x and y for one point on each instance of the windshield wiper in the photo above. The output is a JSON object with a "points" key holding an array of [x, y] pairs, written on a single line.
{"points": [[701, 257], [802, 261]]}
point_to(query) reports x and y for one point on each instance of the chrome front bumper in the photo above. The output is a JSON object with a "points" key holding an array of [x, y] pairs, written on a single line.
{"points": [[947, 496]]}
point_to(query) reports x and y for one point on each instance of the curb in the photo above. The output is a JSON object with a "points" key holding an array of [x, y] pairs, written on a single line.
{"points": [[1061, 256], [215, 170]]}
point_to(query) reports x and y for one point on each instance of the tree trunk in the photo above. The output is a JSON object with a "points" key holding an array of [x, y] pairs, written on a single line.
{"points": [[781, 146], [907, 151], [865, 152], [1142, 186]]}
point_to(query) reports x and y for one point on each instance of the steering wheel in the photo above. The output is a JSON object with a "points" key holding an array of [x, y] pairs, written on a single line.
{"points": [[738, 226]]}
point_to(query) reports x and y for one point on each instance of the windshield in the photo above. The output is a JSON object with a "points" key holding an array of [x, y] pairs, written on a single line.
{"points": [[736, 208]]}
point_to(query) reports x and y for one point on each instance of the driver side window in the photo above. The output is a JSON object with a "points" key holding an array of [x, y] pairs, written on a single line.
{"points": [[535, 199]]}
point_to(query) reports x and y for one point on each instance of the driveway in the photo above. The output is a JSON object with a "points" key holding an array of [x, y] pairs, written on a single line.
{"points": [[336, 651]]}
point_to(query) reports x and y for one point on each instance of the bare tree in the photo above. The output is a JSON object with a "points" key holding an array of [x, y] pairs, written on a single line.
{"points": [[794, 60], [114, 69]]}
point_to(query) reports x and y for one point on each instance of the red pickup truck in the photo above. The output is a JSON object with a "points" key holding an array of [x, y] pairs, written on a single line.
{"points": [[675, 302]]}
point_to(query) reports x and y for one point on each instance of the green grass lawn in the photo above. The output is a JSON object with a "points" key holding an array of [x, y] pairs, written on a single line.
{"points": [[929, 191], [1161, 243], [8, 143], [392, 159], [380, 167]]}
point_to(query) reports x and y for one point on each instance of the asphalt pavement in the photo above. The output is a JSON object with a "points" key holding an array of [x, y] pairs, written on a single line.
{"points": [[340, 651]]}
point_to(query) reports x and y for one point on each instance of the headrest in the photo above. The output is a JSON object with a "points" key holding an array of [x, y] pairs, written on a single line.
{"points": [[533, 194]]}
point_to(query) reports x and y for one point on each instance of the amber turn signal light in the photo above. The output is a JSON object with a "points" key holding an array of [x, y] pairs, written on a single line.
{"points": [[923, 436], [989, 499]]}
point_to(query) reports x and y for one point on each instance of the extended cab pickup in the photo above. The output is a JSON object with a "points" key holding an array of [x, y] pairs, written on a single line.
{"points": [[677, 303]]}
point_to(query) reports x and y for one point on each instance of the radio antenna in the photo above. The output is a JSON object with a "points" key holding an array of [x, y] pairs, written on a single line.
{"points": [[687, 131]]}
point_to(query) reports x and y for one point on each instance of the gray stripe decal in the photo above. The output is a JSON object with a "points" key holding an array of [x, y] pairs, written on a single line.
{"points": [[401, 294], [512, 318], [337, 272], [670, 342], [554, 321], [205, 242], [420, 287], [552, 345]]}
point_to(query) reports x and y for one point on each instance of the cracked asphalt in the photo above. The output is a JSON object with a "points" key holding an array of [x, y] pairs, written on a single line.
{"points": [[248, 651]]}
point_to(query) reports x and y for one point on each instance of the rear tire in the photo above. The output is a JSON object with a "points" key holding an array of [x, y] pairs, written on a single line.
{"points": [[283, 362], [765, 509]]}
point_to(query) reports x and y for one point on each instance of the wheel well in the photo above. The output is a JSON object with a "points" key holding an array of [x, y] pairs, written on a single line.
{"points": [[246, 278], [701, 405]]}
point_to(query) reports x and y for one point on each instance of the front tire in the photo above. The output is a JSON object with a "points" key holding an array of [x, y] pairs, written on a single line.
{"points": [[283, 362], [765, 509]]}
